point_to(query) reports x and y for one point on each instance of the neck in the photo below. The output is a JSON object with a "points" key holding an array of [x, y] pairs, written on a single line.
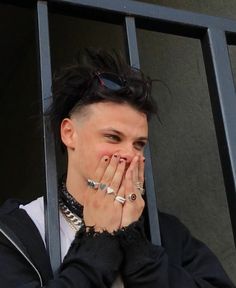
{"points": [[76, 185]]}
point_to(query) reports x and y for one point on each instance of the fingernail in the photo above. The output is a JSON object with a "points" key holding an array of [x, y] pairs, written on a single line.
{"points": [[115, 155], [106, 158], [144, 159], [121, 160]]}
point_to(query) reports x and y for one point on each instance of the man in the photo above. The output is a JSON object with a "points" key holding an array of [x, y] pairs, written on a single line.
{"points": [[100, 113]]}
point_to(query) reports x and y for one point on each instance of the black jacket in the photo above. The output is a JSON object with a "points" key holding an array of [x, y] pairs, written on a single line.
{"points": [[94, 260]]}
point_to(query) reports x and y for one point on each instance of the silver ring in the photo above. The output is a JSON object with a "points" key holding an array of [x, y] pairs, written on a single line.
{"points": [[139, 186], [93, 184], [132, 197], [102, 186], [120, 199], [110, 191]]}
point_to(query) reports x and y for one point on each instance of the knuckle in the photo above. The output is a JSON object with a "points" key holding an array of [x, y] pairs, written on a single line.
{"points": [[141, 178], [96, 204], [142, 204]]}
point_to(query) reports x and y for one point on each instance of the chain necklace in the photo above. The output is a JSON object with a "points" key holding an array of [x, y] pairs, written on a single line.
{"points": [[74, 221]]}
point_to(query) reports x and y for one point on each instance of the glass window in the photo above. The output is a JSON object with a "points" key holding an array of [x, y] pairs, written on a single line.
{"points": [[21, 138]]}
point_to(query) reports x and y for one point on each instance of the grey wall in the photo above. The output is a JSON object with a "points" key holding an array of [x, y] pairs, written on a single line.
{"points": [[186, 163], [222, 8]]}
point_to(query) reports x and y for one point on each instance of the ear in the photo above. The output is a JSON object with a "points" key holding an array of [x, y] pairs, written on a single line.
{"points": [[68, 133]]}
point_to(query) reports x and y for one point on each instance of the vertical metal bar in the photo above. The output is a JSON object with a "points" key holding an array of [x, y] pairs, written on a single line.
{"points": [[149, 183], [223, 99], [151, 200], [132, 41], [51, 199]]}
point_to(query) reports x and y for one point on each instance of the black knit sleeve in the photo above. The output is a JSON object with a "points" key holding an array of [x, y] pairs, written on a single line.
{"points": [[93, 260], [183, 263]]}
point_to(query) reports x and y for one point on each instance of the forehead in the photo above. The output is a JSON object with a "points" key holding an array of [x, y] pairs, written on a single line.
{"points": [[122, 116]]}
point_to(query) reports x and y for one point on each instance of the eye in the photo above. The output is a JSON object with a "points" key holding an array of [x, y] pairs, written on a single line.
{"points": [[139, 145], [113, 137]]}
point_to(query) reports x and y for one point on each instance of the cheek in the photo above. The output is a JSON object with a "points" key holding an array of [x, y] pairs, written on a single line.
{"points": [[105, 150]]}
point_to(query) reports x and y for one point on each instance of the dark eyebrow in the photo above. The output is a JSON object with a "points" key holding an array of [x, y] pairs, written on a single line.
{"points": [[142, 138]]}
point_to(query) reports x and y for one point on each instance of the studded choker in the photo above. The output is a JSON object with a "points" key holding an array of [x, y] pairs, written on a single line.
{"points": [[71, 209]]}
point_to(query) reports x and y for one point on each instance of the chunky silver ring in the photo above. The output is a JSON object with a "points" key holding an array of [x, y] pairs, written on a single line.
{"points": [[120, 199], [93, 184], [102, 186], [110, 191], [139, 184], [132, 197]]}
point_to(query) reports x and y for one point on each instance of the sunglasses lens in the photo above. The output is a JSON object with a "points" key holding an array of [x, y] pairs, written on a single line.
{"points": [[111, 81]]}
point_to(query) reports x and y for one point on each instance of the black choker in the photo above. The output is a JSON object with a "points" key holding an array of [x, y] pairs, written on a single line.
{"points": [[69, 201]]}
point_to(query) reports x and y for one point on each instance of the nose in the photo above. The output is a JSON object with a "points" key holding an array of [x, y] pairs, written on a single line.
{"points": [[127, 152]]}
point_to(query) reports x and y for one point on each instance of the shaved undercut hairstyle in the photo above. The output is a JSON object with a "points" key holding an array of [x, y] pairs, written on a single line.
{"points": [[98, 76]]}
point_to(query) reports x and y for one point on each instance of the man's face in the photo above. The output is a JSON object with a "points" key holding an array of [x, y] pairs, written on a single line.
{"points": [[105, 129]]}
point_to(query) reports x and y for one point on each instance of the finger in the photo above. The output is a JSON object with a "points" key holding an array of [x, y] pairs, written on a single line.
{"points": [[129, 186], [135, 173], [119, 200], [129, 183], [131, 192], [140, 182], [133, 163], [135, 181], [102, 165], [141, 170], [120, 193], [121, 190], [118, 176], [109, 173], [133, 168]]}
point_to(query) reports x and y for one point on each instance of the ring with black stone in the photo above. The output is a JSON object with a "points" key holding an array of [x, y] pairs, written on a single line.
{"points": [[132, 197]]}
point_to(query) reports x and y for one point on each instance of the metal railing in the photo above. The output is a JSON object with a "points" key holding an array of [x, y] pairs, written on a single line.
{"points": [[215, 34]]}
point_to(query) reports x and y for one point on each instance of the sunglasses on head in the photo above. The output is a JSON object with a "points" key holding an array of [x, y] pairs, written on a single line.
{"points": [[110, 80]]}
